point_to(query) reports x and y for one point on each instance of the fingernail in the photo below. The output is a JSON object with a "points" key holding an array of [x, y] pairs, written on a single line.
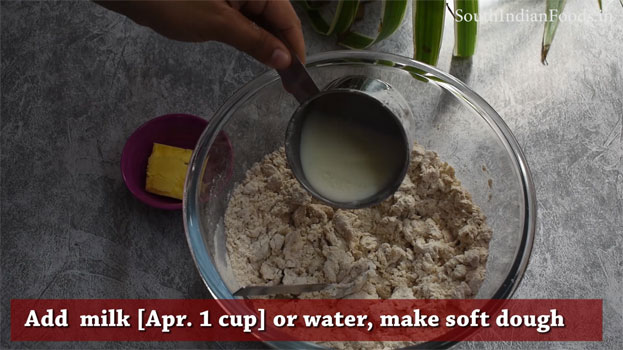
{"points": [[280, 59]]}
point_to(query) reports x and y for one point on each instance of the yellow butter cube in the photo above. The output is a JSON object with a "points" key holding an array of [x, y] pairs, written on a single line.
{"points": [[166, 170]]}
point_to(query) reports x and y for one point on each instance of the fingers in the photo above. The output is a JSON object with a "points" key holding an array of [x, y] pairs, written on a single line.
{"points": [[279, 15], [225, 21], [243, 34]]}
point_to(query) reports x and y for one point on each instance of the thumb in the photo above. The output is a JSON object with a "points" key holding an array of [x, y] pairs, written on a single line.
{"points": [[245, 35]]}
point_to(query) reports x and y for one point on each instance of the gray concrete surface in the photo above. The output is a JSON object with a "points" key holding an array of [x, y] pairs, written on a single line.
{"points": [[77, 80]]}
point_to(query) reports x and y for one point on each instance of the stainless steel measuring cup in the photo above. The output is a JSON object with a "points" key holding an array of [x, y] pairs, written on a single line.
{"points": [[368, 101]]}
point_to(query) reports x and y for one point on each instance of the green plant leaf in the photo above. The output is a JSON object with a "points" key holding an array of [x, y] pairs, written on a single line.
{"points": [[354, 40], [465, 27], [311, 4], [393, 12], [306, 4], [552, 6], [318, 23], [428, 17], [343, 17], [600, 7], [347, 15]]}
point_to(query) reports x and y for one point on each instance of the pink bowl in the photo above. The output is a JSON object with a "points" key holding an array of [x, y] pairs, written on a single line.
{"points": [[179, 130]]}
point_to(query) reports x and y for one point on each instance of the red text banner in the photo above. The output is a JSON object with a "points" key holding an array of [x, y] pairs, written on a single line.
{"points": [[305, 320]]}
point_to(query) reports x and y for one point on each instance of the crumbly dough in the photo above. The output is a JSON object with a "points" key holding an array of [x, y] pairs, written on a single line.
{"points": [[428, 240]]}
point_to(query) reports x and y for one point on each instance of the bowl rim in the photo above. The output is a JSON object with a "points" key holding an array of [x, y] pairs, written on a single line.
{"points": [[445, 81], [125, 159]]}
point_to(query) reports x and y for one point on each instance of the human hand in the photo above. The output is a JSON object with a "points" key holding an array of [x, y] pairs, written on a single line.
{"points": [[232, 22]]}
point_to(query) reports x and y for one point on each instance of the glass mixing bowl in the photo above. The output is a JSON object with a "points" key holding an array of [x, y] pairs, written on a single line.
{"points": [[451, 120]]}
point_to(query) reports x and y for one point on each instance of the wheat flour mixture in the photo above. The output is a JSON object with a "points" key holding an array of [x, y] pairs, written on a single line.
{"points": [[428, 240]]}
